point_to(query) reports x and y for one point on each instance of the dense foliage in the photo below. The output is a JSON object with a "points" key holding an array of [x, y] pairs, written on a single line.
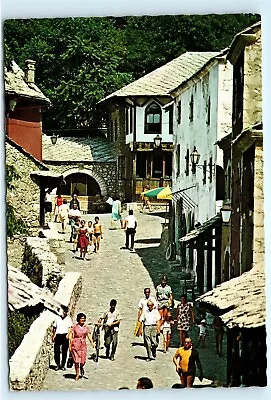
{"points": [[14, 225], [81, 60]]}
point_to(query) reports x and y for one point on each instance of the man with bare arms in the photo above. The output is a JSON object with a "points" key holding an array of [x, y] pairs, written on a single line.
{"points": [[97, 234]]}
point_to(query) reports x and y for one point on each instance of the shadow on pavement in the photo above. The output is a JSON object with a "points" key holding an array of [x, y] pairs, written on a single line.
{"points": [[142, 358], [149, 240]]}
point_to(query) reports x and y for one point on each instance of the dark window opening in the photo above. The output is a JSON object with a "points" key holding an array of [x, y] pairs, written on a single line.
{"points": [[204, 172], [141, 163], [127, 126], [211, 169], [82, 183], [168, 165], [157, 166], [178, 158], [153, 116], [191, 109], [170, 120], [179, 112], [187, 163], [220, 183], [208, 111]]}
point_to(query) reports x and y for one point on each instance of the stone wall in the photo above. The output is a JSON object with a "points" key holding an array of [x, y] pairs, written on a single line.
{"points": [[26, 194], [30, 362]]}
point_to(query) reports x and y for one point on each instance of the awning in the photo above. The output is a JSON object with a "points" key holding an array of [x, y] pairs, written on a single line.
{"points": [[47, 178], [181, 195], [24, 293], [210, 223], [242, 299]]}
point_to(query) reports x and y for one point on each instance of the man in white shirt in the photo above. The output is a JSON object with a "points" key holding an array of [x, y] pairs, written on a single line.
{"points": [[61, 330], [73, 214], [130, 228], [150, 319], [142, 305], [111, 321]]}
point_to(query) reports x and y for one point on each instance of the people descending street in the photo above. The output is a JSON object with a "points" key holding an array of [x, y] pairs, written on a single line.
{"points": [[144, 383], [73, 214], [185, 359], [219, 333], [116, 212], [111, 322], [97, 234], [90, 237], [164, 298], [74, 200], [60, 337], [64, 215], [75, 233], [58, 203], [151, 328], [203, 332], [166, 329], [185, 318], [142, 306], [83, 239], [130, 230], [78, 345]]}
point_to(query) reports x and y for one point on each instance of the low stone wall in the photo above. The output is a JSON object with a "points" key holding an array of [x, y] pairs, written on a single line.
{"points": [[30, 362]]}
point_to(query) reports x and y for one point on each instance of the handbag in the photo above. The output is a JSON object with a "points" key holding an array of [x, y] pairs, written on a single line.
{"points": [[70, 361], [138, 329]]}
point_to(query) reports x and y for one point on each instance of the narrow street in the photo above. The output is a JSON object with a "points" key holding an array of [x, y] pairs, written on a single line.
{"points": [[120, 274]]}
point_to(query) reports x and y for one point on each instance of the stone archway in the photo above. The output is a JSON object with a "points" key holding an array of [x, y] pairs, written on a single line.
{"points": [[100, 181]]}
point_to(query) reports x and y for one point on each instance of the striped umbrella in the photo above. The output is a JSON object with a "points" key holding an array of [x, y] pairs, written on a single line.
{"points": [[160, 193]]}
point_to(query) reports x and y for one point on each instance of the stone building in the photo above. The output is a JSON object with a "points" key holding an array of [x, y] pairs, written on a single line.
{"points": [[87, 164]]}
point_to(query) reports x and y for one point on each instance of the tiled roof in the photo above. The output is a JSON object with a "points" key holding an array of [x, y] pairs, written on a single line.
{"points": [[79, 149], [243, 299], [24, 293], [15, 84], [162, 81]]}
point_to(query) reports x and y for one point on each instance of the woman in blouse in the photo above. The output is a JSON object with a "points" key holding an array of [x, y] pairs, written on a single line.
{"points": [[78, 344]]}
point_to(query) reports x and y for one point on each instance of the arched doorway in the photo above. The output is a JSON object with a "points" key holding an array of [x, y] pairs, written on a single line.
{"points": [[81, 184]]}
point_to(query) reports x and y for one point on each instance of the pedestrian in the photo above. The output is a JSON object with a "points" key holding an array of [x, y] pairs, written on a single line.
{"points": [[73, 201], [185, 317], [142, 305], [185, 359], [64, 215], [164, 298], [48, 205], [60, 337], [90, 237], [116, 212], [203, 332], [75, 233], [130, 229], [144, 383], [97, 234], [151, 328], [219, 333], [78, 345], [73, 214], [111, 322], [83, 239], [145, 200], [166, 328], [58, 203]]}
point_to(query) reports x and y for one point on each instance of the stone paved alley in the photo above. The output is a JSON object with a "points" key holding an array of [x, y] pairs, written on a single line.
{"points": [[120, 274]]}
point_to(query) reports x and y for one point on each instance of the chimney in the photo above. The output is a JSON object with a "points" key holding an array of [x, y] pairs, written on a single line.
{"points": [[30, 71]]}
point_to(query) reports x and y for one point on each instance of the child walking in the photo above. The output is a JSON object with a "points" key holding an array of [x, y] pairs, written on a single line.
{"points": [[166, 331], [203, 332], [90, 236], [75, 231], [98, 234]]}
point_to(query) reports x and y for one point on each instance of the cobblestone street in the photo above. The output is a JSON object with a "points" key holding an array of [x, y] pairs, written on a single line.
{"points": [[120, 274]]}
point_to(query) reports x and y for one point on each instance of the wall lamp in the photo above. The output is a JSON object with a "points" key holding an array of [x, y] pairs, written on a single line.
{"points": [[195, 157], [157, 141], [226, 212], [53, 138]]}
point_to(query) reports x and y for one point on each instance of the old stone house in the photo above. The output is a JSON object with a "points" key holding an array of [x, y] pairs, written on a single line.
{"points": [[139, 113], [202, 115], [240, 299], [87, 164]]}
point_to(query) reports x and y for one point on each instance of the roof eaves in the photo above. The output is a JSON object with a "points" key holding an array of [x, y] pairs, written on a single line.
{"points": [[22, 150]]}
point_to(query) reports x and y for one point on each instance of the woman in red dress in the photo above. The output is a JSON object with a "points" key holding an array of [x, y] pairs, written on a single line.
{"points": [[83, 239], [78, 344]]}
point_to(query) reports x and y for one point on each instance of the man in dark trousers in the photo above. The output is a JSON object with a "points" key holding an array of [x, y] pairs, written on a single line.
{"points": [[111, 321], [61, 329], [130, 228], [185, 360]]}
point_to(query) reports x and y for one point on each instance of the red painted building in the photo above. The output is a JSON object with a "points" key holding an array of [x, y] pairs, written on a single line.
{"points": [[23, 105]]}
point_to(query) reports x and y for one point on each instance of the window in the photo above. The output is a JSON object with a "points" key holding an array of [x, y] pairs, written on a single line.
{"points": [[179, 112], [211, 169], [168, 165], [132, 119], [204, 172], [178, 157], [157, 166], [127, 122], [191, 109], [153, 116], [208, 120], [141, 164], [187, 163], [170, 120]]}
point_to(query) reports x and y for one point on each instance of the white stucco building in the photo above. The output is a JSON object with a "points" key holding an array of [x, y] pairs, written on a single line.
{"points": [[202, 116]]}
